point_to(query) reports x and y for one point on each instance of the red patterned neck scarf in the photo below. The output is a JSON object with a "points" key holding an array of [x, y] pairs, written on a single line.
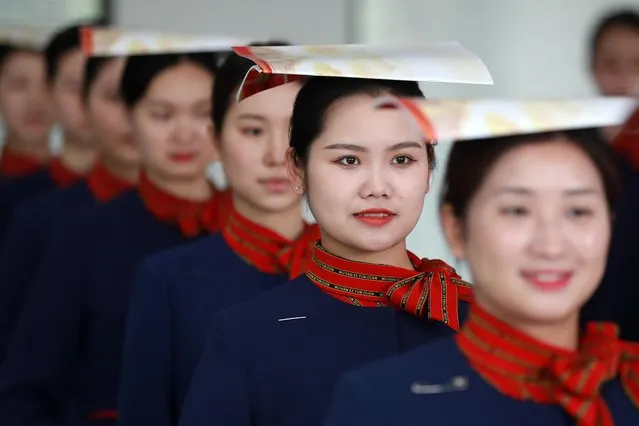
{"points": [[433, 289], [62, 175], [267, 251], [104, 185], [526, 369], [193, 217], [13, 164]]}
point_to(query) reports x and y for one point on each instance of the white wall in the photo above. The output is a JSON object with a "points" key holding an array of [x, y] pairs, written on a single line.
{"points": [[299, 21]]}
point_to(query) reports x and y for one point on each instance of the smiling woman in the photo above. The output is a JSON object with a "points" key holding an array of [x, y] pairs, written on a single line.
{"points": [[551, 197], [531, 214], [365, 173]]}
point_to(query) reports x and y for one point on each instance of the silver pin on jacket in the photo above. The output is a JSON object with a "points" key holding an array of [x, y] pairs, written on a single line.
{"points": [[456, 384]]}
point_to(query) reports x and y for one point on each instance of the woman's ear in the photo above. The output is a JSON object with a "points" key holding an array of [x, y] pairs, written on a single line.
{"points": [[295, 172], [453, 231]]}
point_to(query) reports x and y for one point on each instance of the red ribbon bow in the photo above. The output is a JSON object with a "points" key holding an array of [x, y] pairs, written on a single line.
{"points": [[13, 164], [434, 289], [193, 217], [62, 175], [524, 368], [267, 251], [104, 185]]}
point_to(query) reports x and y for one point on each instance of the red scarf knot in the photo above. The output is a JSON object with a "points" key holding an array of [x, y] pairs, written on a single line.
{"points": [[629, 370], [14, 164], [267, 251], [433, 289], [524, 368], [61, 174], [104, 185], [192, 217]]}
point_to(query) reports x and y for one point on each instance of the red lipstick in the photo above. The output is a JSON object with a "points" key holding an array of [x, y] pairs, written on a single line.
{"points": [[375, 217], [182, 157], [547, 280]]}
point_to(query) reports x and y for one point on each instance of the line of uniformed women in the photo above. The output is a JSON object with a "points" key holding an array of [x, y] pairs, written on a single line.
{"points": [[104, 319]]}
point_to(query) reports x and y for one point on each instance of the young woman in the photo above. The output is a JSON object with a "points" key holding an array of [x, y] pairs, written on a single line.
{"points": [[264, 242], [531, 214], [274, 359], [63, 365], [26, 112], [614, 52], [65, 64], [33, 222]]}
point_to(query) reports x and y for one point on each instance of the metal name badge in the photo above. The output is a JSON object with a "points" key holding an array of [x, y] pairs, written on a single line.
{"points": [[456, 384]]}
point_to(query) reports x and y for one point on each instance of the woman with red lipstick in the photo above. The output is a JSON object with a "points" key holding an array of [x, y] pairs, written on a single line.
{"points": [[63, 364], [64, 69], [532, 215], [26, 111], [273, 361], [264, 243]]}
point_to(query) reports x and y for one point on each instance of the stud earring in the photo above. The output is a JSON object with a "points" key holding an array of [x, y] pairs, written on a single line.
{"points": [[297, 187]]}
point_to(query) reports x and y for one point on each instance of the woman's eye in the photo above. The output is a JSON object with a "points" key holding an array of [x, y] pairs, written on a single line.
{"points": [[402, 160], [348, 161], [580, 212], [252, 131], [514, 211]]}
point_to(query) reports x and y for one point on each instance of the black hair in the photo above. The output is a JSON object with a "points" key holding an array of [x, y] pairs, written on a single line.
{"points": [[60, 44], [5, 49], [92, 69], [8, 49], [320, 94], [470, 162], [229, 77], [626, 19], [140, 71]]}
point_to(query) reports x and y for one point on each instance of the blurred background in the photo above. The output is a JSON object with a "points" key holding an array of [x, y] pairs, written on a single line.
{"points": [[534, 49]]}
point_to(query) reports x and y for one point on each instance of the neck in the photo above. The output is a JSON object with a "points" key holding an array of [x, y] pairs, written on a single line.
{"points": [[126, 173], [76, 156], [288, 223], [562, 334], [194, 189], [393, 256], [39, 151]]}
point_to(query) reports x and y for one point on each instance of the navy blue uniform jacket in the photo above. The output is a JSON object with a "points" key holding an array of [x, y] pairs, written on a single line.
{"points": [[24, 246], [435, 385], [615, 299], [176, 296], [63, 364], [274, 360], [16, 190]]}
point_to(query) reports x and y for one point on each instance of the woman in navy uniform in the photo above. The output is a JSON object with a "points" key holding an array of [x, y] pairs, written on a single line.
{"points": [[264, 242], [531, 214], [63, 363], [64, 68], [33, 222], [274, 359], [25, 108], [614, 51], [26, 114]]}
